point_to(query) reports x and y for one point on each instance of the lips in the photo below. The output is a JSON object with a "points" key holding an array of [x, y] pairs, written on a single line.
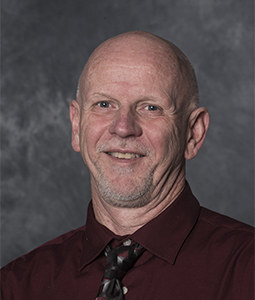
{"points": [[126, 155]]}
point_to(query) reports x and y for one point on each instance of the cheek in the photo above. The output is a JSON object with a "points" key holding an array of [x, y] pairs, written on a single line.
{"points": [[161, 138], [166, 141], [92, 130]]}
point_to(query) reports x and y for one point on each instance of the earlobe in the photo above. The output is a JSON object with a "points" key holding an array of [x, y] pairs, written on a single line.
{"points": [[198, 126], [75, 122]]}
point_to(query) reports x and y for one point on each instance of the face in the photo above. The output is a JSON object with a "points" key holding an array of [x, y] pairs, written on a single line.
{"points": [[130, 135]]}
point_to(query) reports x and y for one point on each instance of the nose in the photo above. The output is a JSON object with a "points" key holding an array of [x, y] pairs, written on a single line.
{"points": [[125, 124]]}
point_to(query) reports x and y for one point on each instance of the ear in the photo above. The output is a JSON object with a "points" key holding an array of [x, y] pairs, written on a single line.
{"points": [[75, 122], [197, 128]]}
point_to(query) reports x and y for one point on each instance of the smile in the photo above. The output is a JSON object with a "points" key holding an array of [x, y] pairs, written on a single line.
{"points": [[124, 155]]}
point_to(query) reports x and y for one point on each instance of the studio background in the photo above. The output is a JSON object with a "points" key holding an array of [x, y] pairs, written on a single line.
{"points": [[44, 184]]}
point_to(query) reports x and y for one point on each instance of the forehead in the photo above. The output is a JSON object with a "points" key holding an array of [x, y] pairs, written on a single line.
{"points": [[136, 64]]}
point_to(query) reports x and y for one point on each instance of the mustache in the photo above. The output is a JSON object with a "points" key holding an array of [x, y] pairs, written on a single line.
{"points": [[124, 145]]}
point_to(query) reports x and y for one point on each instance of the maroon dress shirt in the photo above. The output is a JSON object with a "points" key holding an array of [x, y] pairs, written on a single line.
{"points": [[191, 253]]}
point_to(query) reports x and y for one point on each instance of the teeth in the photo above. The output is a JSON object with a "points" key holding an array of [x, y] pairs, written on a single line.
{"points": [[124, 155]]}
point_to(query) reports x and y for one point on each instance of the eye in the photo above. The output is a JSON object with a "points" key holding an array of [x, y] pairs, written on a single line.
{"points": [[151, 107], [103, 104], [150, 110]]}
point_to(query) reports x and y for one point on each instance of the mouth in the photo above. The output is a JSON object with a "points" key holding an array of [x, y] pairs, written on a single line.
{"points": [[126, 155]]}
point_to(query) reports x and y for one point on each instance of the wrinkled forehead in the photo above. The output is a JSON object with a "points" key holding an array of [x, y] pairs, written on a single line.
{"points": [[134, 52], [118, 66]]}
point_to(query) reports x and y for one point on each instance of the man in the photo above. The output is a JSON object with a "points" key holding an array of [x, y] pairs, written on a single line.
{"points": [[135, 122]]}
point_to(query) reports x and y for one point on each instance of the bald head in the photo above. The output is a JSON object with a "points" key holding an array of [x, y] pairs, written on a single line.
{"points": [[141, 48]]}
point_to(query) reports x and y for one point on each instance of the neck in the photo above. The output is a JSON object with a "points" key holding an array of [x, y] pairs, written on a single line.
{"points": [[124, 221]]}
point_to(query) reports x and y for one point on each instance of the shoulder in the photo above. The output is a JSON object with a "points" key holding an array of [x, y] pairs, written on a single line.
{"points": [[226, 237], [232, 244], [223, 238], [46, 255], [224, 224]]}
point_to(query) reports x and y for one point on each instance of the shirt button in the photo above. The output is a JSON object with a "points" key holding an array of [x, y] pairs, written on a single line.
{"points": [[127, 242], [125, 290]]}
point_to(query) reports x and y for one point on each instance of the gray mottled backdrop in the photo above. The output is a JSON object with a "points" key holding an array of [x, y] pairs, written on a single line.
{"points": [[45, 186]]}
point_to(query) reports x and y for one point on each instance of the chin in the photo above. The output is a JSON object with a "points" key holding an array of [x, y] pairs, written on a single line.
{"points": [[129, 196]]}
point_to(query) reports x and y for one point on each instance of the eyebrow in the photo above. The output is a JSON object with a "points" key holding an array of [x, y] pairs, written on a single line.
{"points": [[148, 98], [103, 95]]}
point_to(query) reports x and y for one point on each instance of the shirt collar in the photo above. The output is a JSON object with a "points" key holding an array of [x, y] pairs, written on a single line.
{"points": [[165, 235], [162, 236], [96, 237]]}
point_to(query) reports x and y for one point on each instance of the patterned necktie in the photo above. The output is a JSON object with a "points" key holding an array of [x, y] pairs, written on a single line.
{"points": [[118, 261]]}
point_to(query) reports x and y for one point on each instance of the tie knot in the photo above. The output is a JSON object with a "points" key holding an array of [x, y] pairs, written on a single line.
{"points": [[120, 259]]}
